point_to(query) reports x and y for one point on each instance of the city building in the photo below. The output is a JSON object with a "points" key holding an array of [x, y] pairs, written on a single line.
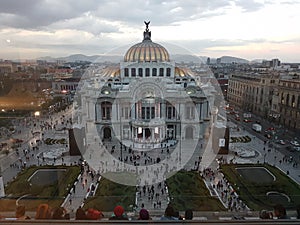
{"points": [[148, 98], [274, 63], [7, 67], [252, 92], [146, 102], [288, 109], [271, 95]]}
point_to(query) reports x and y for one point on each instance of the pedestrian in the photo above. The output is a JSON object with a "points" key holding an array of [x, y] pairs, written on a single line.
{"points": [[60, 213], [43, 212], [20, 213], [188, 215], [280, 212], [144, 215], [118, 214], [169, 214]]}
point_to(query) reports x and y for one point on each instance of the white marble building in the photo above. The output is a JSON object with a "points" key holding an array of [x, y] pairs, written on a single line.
{"points": [[145, 103], [145, 100]]}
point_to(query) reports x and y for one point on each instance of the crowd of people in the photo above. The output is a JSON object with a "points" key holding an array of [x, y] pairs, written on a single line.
{"points": [[137, 157], [224, 190], [154, 194], [45, 212]]}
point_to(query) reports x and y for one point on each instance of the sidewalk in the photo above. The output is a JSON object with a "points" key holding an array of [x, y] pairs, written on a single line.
{"points": [[79, 192]]}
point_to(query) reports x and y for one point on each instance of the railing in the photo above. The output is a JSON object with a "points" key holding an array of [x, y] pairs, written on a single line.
{"points": [[221, 217], [85, 222]]}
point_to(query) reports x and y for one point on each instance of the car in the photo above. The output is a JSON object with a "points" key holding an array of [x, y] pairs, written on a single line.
{"points": [[247, 121], [19, 140], [270, 129], [296, 148], [269, 136], [295, 143], [282, 142]]}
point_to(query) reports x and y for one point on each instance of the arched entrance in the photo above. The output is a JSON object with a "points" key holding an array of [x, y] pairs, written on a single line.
{"points": [[107, 133], [189, 133]]}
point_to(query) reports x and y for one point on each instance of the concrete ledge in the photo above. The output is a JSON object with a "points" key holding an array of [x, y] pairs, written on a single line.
{"points": [[85, 222]]}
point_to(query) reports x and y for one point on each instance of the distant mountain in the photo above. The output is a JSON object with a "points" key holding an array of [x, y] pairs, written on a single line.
{"points": [[117, 58], [81, 57], [78, 57], [47, 58], [188, 58], [257, 60], [231, 59]]}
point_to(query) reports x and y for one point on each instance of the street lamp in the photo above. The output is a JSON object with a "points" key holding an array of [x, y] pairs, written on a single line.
{"points": [[37, 113]]}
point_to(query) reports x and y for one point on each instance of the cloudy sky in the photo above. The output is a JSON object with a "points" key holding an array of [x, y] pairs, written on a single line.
{"points": [[251, 29]]}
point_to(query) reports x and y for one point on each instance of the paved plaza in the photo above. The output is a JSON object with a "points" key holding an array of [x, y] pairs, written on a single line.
{"points": [[153, 197]]}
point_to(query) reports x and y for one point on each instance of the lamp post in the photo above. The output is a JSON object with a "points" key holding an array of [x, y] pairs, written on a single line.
{"points": [[2, 192], [121, 131]]}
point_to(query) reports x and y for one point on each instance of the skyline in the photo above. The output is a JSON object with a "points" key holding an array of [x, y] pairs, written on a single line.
{"points": [[240, 28]]}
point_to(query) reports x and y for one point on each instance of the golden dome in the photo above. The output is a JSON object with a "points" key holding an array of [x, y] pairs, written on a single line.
{"points": [[146, 51]]}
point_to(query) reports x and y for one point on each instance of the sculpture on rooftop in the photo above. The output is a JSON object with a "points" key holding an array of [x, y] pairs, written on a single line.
{"points": [[147, 25]]}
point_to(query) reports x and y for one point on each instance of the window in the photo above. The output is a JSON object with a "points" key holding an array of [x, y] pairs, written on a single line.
{"points": [[190, 112], [152, 112], [148, 113], [168, 72], [282, 98], [147, 72], [133, 72], [125, 112], [171, 112], [143, 112], [293, 101], [140, 72], [161, 72], [106, 110], [154, 72], [126, 72]]}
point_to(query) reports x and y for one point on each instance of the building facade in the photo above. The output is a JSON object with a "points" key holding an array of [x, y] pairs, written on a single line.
{"points": [[288, 108], [146, 104], [271, 96], [252, 92], [146, 100]]}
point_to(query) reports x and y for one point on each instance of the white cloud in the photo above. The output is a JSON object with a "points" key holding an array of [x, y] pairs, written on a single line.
{"points": [[93, 27]]}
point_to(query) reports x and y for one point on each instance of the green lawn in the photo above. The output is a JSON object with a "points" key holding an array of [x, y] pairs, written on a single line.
{"points": [[53, 194], [188, 191], [254, 193], [109, 194]]}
